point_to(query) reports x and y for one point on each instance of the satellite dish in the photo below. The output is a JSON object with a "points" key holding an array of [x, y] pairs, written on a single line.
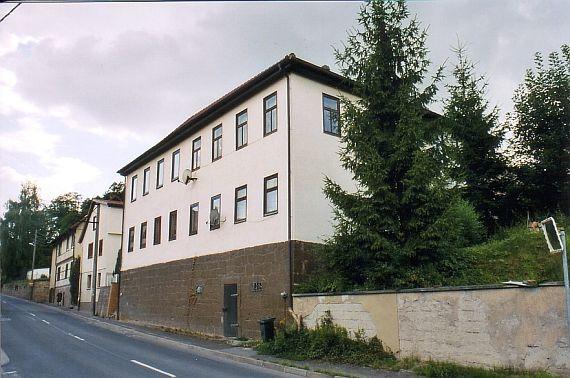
{"points": [[187, 177]]}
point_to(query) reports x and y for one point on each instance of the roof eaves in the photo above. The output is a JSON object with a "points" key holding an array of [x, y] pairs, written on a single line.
{"points": [[208, 114]]}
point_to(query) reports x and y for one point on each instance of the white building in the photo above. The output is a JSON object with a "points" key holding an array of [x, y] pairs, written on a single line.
{"points": [[108, 214], [38, 273], [65, 249], [220, 252]]}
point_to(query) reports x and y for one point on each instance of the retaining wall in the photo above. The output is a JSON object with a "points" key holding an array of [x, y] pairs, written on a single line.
{"points": [[482, 326]]}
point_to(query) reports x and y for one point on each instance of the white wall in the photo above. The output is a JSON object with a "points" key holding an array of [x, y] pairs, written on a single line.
{"points": [[314, 155], [262, 157], [65, 257], [109, 232]]}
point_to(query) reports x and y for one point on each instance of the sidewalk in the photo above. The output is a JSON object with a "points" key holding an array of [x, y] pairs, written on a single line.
{"points": [[220, 349]]}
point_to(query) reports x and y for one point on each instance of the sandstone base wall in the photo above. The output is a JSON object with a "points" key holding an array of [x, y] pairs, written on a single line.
{"points": [[167, 294]]}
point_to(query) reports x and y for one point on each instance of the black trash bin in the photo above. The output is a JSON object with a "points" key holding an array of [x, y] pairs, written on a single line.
{"points": [[267, 327]]}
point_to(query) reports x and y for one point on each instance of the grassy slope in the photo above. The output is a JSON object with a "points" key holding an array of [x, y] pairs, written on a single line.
{"points": [[517, 254]]}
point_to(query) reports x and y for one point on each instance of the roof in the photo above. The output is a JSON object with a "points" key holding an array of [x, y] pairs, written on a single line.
{"points": [[71, 229], [109, 203], [201, 119]]}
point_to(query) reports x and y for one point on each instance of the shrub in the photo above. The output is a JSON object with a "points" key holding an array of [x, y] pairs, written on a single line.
{"points": [[327, 342]]}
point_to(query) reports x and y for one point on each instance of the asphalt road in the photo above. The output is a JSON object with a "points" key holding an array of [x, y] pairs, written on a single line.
{"points": [[40, 341]]}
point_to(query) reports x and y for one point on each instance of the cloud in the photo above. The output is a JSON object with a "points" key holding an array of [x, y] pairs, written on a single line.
{"points": [[78, 79], [148, 81], [54, 174]]}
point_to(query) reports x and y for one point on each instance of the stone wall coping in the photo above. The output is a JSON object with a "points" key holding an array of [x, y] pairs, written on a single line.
{"points": [[431, 289]]}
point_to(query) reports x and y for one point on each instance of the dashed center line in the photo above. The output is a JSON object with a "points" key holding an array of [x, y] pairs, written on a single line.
{"points": [[77, 337], [31, 314], [45, 321], [153, 368]]}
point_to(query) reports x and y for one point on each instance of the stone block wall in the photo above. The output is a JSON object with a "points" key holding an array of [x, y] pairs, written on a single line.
{"points": [[165, 294], [22, 289], [521, 327], [501, 326]]}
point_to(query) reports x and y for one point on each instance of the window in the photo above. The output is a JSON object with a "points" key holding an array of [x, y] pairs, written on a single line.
{"points": [[270, 114], [196, 153], [146, 181], [101, 247], [88, 281], [94, 224], [175, 165], [134, 181], [59, 249], [67, 243], [142, 243], [73, 241], [194, 209], [172, 225], [98, 279], [217, 143], [59, 273], [159, 174], [241, 129], [331, 115], [131, 243], [157, 234], [240, 208], [90, 251], [215, 211], [270, 195], [66, 270]]}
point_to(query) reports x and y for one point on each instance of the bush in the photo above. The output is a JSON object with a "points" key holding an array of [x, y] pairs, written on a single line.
{"points": [[327, 342]]}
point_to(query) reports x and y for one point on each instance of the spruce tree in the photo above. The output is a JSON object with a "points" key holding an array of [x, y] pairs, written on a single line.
{"points": [[474, 128], [541, 128], [392, 231]]}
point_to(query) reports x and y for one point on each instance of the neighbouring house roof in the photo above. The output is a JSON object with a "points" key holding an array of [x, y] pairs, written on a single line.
{"points": [[286, 65], [67, 232], [95, 201]]}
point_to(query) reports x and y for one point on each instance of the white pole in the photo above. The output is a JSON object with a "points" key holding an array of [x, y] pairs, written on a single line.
{"points": [[566, 281]]}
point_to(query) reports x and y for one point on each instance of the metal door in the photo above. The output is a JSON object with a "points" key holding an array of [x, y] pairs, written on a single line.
{"points": [[230, 310]]}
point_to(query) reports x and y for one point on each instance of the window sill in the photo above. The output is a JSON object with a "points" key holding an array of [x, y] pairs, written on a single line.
{"points": [[237, 221], [331, 134], [270, 214]]}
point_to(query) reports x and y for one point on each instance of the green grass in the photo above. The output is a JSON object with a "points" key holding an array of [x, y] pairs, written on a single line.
{"points": [[434, 369], [332, 343], [516, 254]]}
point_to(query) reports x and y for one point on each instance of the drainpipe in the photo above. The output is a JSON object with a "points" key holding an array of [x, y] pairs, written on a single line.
{"points": [[95, 254], [121, 251], [289, 214]]}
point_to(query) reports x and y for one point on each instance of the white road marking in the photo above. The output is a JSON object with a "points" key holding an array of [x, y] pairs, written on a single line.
{"points": [[31, 314], [3, 301], [45, 321], [77, 337], [9, 372], [153, 368]]}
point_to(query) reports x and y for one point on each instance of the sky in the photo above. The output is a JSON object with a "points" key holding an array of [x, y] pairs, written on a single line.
{"points": [[86, 88]]}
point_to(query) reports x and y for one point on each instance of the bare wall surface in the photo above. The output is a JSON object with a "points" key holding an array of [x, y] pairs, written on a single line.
{"points": [[520, 327], [375, 315], [22, 289]]}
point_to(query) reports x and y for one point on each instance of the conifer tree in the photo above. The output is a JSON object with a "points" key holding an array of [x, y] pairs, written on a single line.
{"points": [[541, 128], [479, 168], [394, 230]]}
